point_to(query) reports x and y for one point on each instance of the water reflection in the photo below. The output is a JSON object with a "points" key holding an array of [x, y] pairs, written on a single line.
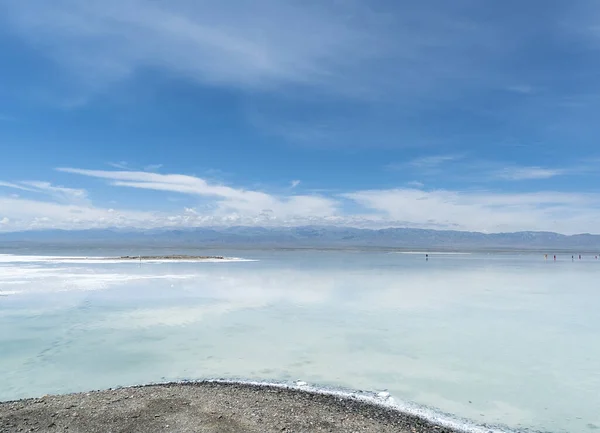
{"points": [[496, 339]]}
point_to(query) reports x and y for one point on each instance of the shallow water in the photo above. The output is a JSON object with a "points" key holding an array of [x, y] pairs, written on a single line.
{"points": [[496, 339]]}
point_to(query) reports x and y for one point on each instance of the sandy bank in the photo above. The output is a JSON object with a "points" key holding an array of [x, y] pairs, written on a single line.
{"points": [[204, 407]]}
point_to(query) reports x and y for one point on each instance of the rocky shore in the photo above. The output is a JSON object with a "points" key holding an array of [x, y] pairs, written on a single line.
{"points": [[205, 407]]}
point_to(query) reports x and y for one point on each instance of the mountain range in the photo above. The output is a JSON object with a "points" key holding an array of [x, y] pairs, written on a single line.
{"points": [[307, 237]]}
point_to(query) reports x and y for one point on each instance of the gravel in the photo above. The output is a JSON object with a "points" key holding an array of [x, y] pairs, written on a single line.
{"points": [[205, 407]]}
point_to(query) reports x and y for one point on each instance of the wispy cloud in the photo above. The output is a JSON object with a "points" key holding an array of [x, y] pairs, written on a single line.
{"points": [[229, 43], [429, 65], [432, 161], [529, 173], [294, 183], [425, 164], [123, 165], [351, 48], [229, 199], [16, 186], [60, 193], [484, 211], [458, 167]]}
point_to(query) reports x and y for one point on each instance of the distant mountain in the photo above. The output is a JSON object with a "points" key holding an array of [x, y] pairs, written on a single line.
{"points": [[307, 237]]}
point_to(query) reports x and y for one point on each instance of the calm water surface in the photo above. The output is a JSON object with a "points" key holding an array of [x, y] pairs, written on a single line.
{"points": [[498, 339]]}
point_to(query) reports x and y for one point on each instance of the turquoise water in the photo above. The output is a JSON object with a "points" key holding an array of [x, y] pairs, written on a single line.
{"points": [[495, 339]]}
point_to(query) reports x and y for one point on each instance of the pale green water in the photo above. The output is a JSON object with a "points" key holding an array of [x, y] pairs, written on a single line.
{"points": [[493, 338]]}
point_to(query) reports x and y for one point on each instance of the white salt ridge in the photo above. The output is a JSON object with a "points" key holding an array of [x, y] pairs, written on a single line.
{"points": [[224, 260], [431, 253], [423, 412], [10, 258]]}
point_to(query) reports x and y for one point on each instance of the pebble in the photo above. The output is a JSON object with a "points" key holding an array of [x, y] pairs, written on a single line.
{"points": [[264, 409]]}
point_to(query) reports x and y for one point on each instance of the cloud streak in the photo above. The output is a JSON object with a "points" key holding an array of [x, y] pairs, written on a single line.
{"points": [[229, 199], [60, 193], [69, 195], [433, 161], [457, 167], [16, 186], [529, 173], [428, 164]]}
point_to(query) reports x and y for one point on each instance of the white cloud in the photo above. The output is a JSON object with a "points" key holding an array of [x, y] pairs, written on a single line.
{"points": [[528, 173], [25, 214], [229, 200], [4, 220], [294, 183], [485, 211], [222, 205]]}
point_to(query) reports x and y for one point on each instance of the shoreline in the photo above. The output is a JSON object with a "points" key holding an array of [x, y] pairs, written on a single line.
{"points": [[209, 406]]}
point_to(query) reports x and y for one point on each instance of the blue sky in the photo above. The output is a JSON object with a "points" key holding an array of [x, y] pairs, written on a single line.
{"points": [[468, 115]]}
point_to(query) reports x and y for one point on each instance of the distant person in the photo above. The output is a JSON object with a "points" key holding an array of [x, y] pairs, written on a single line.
{"points": [[426, 257], [572, 258], [554, 257], [579, 256]]}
